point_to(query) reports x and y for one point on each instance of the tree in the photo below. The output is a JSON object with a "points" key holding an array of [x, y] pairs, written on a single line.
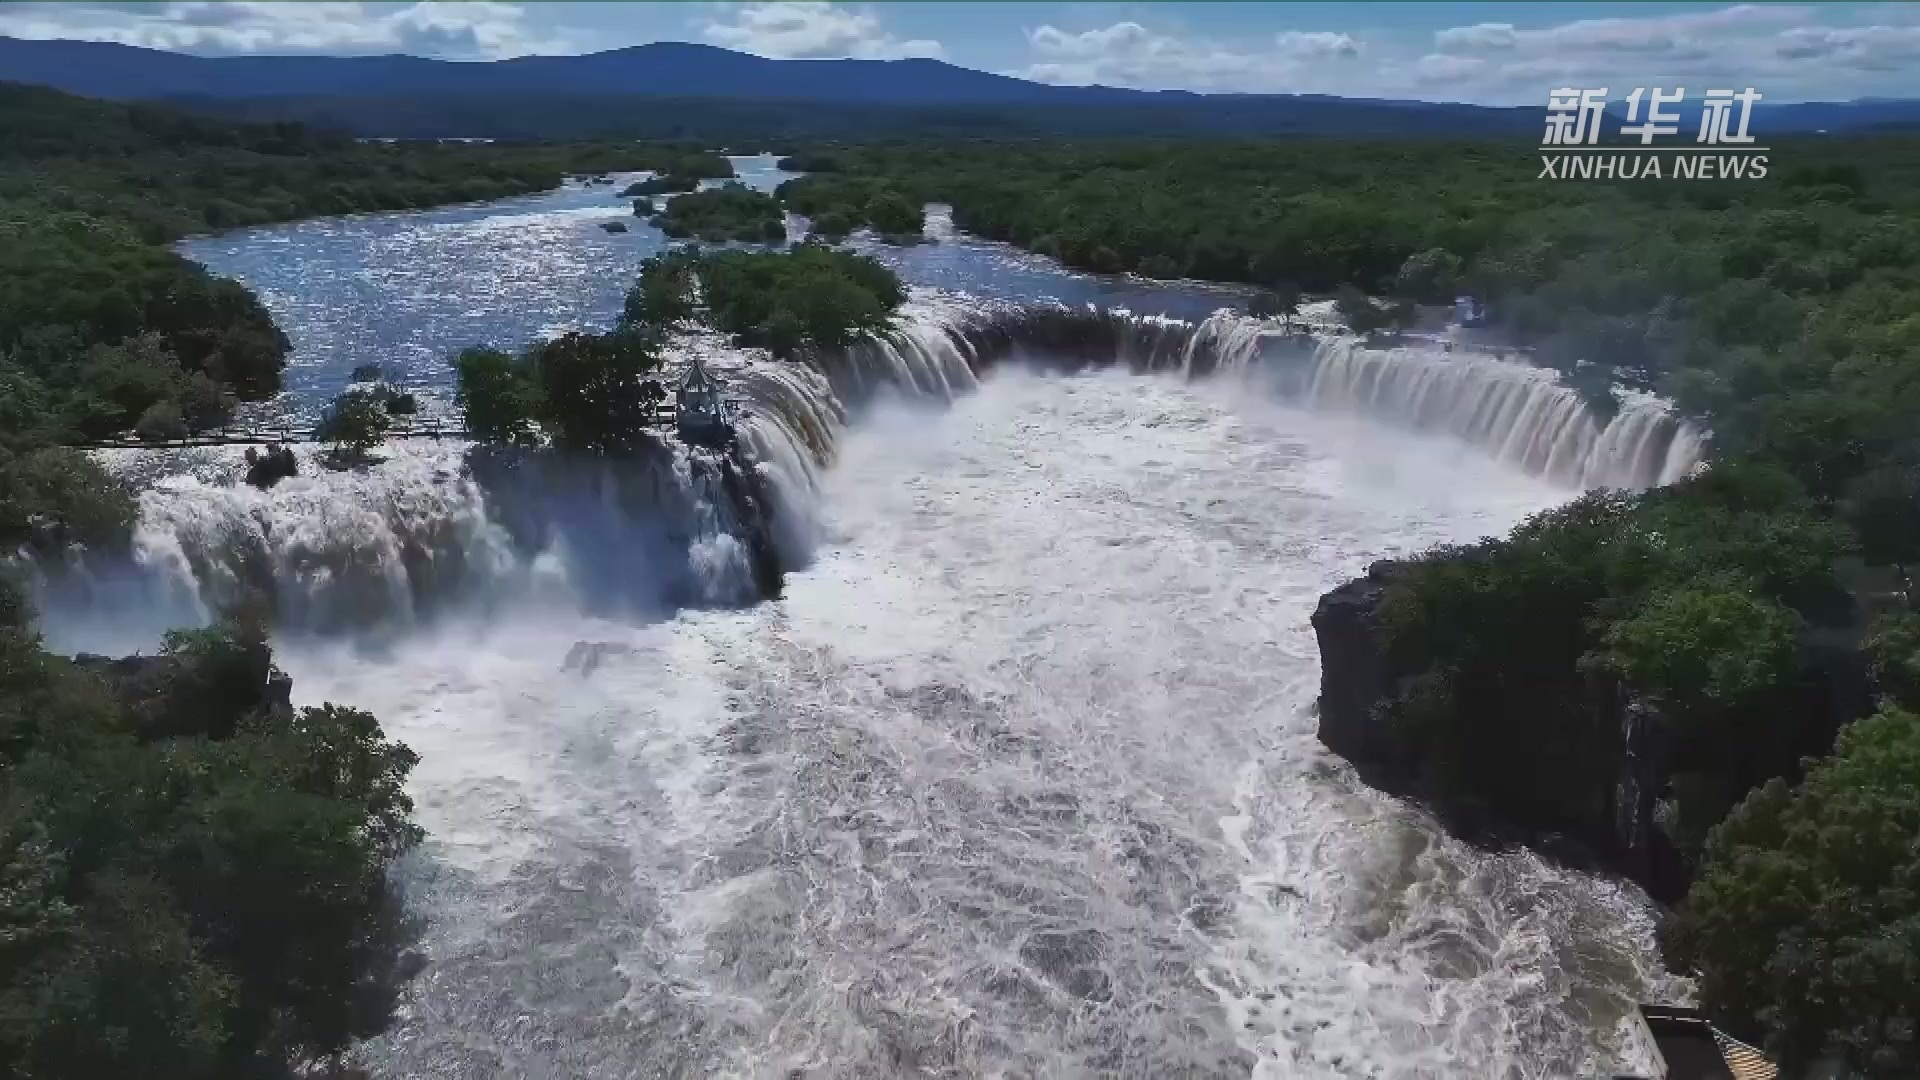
{"points": [[730, 212], [160, 422], [893, 214], [354, 424], [832, 225], [1883, 508], [1894, 649], [497, 396], [1704, 645], [53, 499], [591, 390], [1428, 277], [1804, 926], [1282, 301], [1361, 314], [204, 403], [191, 871], [663, 297]]}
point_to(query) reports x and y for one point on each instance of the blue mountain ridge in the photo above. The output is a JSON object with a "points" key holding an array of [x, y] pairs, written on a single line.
{"points": [[688, 71]]}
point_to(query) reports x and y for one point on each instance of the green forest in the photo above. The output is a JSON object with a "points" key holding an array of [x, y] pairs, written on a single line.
{"points": [[157, 819]]}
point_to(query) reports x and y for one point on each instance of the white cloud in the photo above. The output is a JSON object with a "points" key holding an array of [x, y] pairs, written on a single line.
{"points": [[1321, 43], [1444, 68], [1129, 54], [811, 28], [459, 30], [1770, 46], [1478, 36], [1871, 48]]}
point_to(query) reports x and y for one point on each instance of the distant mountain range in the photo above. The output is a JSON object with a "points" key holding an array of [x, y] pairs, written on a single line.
{"points": [[619, 91]]}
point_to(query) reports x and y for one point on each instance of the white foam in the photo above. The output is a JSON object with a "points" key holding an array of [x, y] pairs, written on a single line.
{"points": [[1016, 777]]}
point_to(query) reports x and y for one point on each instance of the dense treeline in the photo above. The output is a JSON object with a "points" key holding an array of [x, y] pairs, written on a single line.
{"points": [[193, 874], [739, 123], [1723, 616]]}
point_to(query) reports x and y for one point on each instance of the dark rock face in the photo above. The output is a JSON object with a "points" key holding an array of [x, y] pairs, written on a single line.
{"points": [[753, 501], [1616, 766], [166, 696], [1354, 674], [268, 469]]}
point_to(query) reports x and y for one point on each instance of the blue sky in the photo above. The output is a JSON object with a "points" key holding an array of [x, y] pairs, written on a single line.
{"points": [[1483, 52]]}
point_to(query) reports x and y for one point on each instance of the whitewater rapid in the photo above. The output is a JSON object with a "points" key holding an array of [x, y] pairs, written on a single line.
{"points": [[1019, 777]]}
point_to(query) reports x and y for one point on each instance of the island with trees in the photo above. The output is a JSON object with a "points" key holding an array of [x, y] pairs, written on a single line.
{"points": [[836, 204], [583, 412], [729, 212]]}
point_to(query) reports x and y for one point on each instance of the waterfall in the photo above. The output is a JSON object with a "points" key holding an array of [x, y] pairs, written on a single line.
{"points": [[434, 528], [1521, 414], [431, 529]]}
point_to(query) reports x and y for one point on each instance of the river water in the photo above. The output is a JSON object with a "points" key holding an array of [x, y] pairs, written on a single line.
{"points": [[1019, 776]]}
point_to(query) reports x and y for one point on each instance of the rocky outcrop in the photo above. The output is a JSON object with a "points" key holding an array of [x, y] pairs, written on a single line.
{"points": [[1616, 761], [195, 693], [1355, 675]]}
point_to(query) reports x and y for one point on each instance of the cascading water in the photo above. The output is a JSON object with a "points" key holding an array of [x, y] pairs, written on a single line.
{"points": [[1017, 777], [433, 530], [1520, 414]]}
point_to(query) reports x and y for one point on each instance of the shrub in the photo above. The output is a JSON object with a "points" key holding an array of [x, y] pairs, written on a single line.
{"points": [[592, 390], [268, 469], [893, 214], [354, 424], [497, 396], [161, 421], [1804, 927], [1360, 313]]}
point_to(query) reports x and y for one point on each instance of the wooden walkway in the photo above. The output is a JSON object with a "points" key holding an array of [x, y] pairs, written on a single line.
{"points": [[287, 436], [664, 417]]}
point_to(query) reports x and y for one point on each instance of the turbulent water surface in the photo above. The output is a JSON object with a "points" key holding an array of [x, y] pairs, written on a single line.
{"points": [[1017, 778]]}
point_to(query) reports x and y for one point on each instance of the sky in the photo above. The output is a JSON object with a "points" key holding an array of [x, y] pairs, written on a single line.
{"points": [[1492, 53]]}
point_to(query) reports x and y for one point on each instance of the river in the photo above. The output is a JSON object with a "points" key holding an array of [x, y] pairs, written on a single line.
{"points": [[1017, 778]]}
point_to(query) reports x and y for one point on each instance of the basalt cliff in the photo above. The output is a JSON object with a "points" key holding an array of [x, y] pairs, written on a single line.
{"points": [[1611, 808]]}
